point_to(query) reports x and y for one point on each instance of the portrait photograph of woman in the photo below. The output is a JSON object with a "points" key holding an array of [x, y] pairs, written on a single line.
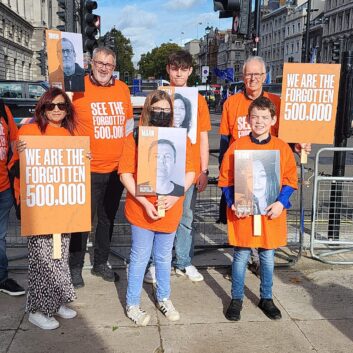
{"points": [[256, 180]]}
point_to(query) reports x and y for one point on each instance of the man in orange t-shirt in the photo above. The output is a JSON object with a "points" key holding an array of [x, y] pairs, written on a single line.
{"points": [[8, 135], [104, 113]]}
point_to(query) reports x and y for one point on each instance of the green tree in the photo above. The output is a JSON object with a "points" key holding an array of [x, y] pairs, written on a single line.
{"points": [[154, 62], [123, 50]]}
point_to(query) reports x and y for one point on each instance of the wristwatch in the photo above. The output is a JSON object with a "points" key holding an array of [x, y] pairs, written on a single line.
{"points": [[206, 171]]}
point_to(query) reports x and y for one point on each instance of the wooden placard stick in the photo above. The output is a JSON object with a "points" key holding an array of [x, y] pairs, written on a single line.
{"points": [[57, 246], [257, 225], [303, 157], [160, 208]]}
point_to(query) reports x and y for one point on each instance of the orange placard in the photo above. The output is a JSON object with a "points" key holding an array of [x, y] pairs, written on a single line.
{"points": [[309, 102], [55, 185]]}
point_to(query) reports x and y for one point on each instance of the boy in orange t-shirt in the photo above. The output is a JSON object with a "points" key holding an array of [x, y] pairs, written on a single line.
{"points": [[179, 68], [261, 117]]}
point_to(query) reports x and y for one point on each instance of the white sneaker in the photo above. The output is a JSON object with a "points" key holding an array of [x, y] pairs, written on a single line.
{"points": [[43, 321], [138, 316], [150, 276], [167, 308], [66, 313], [190, 271]]}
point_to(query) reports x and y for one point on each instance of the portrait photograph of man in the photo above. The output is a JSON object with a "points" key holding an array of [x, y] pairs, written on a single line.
{"points": [[65, 61], [161, 164]]}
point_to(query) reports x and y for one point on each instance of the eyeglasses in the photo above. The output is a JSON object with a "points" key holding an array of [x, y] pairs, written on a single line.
{"points": [[51, 106], [67, 51], [101, 64], [256, 75], [158, 110]]}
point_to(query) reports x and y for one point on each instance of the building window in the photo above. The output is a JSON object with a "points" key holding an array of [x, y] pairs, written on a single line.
{"points": [[299, 27]]}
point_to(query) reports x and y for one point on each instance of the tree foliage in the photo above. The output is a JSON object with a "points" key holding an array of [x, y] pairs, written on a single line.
{"points": [[123, 50], [153, 63]]}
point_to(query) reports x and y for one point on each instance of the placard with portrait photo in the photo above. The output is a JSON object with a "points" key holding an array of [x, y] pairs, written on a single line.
{"points": [[185, 105], [65, 60], [161, 161], [256, 180]]}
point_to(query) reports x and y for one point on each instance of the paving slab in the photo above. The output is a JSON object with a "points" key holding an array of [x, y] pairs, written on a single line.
{"points": [[331, 336], [102, 303], [83, 339], [12, 308], [239, 337], [5, 339], [207, 301], [319, 295]]}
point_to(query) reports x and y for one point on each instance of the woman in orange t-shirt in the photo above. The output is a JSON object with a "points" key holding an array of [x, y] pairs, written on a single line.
{"points": [[49, 280], [150, 232]]}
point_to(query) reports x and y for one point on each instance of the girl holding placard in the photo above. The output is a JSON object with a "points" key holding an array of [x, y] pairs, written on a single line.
{"points": [[150, 231]]}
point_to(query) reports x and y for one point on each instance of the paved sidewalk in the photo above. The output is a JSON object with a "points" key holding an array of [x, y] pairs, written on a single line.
{"points": [[316, 302]]}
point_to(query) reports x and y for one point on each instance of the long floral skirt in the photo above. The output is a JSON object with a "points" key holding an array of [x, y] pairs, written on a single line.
{"points": [[49, 280]]}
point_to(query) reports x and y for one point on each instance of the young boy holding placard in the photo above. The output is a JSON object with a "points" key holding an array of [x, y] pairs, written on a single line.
{"points": [[261, 117]]}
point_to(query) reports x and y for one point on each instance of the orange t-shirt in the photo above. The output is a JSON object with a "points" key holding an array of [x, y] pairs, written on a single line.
{"points": [[203, 124], [5, 136], [33, 129], [235, 111], [274, 231], [105, 115], [134, 211]]}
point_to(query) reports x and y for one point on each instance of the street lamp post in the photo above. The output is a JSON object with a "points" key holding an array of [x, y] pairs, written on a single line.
{"points": [[197, 29], [207, 30]]}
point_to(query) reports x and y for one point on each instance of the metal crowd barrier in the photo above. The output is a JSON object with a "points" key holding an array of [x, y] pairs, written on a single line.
{"points": [[331, 238]]}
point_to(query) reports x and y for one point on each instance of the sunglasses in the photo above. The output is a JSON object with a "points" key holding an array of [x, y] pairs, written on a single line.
{"points": [[51, 106]]}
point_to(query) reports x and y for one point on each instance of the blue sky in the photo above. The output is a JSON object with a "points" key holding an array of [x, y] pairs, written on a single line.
{"points": [[149, 23]]}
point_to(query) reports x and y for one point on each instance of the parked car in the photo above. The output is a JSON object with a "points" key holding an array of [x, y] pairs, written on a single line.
{"points": [[21, 97], [275, 88]]}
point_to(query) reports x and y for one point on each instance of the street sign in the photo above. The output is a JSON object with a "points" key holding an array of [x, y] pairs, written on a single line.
{"points": [[205, 71]]}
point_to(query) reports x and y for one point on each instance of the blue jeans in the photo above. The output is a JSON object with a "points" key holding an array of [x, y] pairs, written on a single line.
{"points": [[184, 239], [240, 261], [6, 202], [145, 241]]}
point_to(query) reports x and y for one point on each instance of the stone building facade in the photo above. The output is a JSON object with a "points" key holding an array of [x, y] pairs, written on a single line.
{"points": [[338, 26], [22, 36]]}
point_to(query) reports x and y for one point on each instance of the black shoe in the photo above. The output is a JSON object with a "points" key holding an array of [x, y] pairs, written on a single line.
{"points": [[104, 271], [11, 287], [270, 309], [76, 277], [233, 311]]}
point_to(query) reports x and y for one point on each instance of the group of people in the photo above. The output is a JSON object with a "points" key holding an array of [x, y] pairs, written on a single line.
{"points": [[51, 282]]}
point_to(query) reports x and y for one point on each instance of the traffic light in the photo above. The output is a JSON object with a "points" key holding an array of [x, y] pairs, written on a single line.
{"points": [[66, 15], [227, 8], [61, 14], [109, 41], [126, 77], [336, 52], [42, 62], [90, 25]]}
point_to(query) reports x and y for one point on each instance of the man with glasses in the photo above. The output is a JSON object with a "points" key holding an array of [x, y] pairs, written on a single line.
{"points": [[234, 119], [104, 112], [70, 73]]}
